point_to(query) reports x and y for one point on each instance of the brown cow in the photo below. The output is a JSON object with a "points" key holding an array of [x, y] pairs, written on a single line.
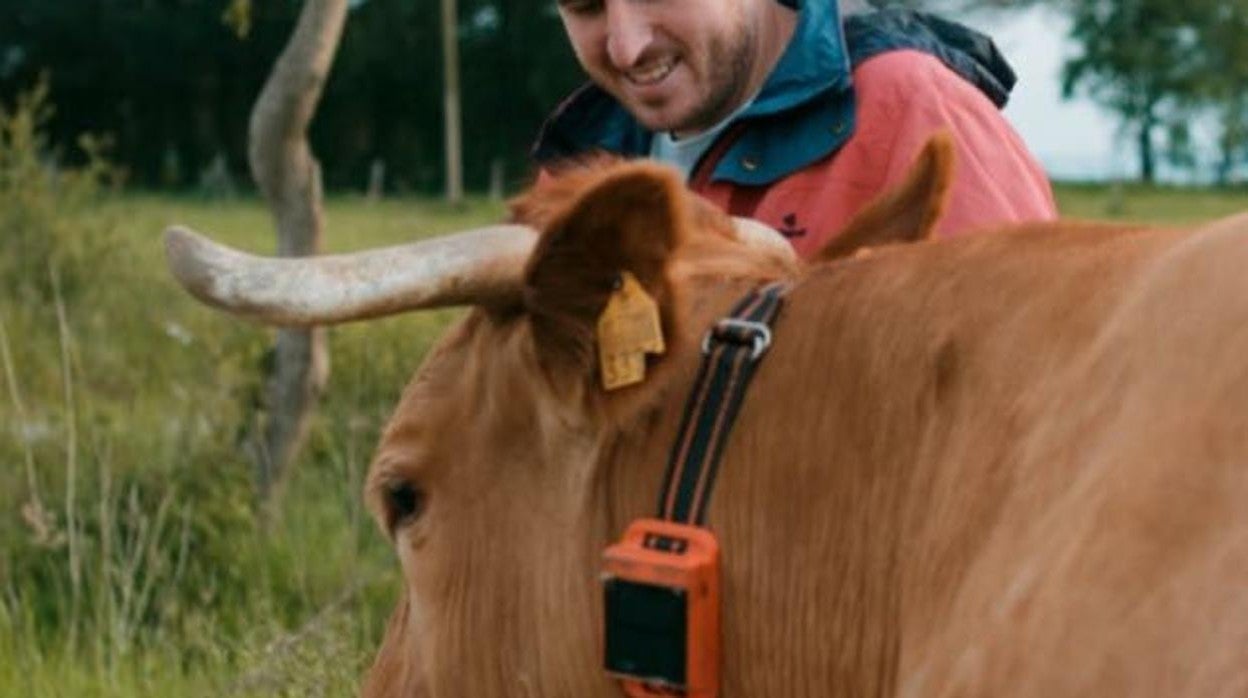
{"points": [[1003, 465]]}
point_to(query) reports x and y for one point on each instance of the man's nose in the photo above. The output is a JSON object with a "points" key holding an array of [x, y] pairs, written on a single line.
{"points": [[629, 32]]}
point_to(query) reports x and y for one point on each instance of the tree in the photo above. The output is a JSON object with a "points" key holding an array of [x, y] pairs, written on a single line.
{"points": [[1224, 75], [172, 84], [452, 120], [289, 177], [1139, 58]]}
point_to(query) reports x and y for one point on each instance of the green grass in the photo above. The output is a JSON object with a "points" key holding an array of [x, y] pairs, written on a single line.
{"points": [[132, 562], [1158, 205]]}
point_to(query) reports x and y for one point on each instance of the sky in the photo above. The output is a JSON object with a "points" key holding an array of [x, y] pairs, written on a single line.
{"points": [[1073, 139]]}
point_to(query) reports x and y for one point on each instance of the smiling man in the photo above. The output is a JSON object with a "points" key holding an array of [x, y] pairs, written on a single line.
{"points": [[795, 112], [679, 66]]}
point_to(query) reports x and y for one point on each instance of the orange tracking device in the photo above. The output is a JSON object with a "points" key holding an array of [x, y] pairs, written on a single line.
{"points": [[661, 582], [661, 590]]}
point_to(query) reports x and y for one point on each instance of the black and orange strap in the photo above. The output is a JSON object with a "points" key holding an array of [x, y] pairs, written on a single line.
{"points": [[661, 582], [731, 353]]}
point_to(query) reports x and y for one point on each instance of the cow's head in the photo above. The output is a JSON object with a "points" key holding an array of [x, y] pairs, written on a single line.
{"points": [[506, 467], [489, 478]]}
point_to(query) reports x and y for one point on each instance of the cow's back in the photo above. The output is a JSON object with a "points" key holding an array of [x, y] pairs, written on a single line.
{"points": [[1123, 547], [898, 459]]}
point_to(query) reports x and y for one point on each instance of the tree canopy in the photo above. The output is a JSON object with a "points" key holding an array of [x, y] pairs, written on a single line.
{"points": [[172, 82], [1161, 66]]}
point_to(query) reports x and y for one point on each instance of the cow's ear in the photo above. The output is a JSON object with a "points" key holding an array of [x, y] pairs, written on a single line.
{"points": [[908, 212], [627, 219]]}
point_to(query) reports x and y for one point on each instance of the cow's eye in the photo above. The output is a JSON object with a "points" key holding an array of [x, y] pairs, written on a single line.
{"points": [[405, 503]]}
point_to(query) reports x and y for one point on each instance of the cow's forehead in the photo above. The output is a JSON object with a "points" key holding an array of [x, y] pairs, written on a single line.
{"points": [[430, 402], [459, 350], [478, 356]]}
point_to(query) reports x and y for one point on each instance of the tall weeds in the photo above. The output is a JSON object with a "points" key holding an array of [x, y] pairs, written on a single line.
{"points": [[131, 562], [95, 559]]}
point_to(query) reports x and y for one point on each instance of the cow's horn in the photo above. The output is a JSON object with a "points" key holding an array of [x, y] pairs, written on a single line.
{"points": [[757, 234], [480, 266]]}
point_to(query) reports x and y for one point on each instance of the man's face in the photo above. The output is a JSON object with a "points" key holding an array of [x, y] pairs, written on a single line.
{"points": [[676, 65]]}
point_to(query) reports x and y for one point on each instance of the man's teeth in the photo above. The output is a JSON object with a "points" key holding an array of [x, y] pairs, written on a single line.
{"points": [[653, 73]]}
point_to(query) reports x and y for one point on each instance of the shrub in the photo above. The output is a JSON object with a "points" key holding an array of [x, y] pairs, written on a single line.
{"points": [[40, 234], [129, 506]]}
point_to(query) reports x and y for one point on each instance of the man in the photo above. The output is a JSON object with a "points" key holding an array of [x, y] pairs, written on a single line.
{"points": [[795, 112]]}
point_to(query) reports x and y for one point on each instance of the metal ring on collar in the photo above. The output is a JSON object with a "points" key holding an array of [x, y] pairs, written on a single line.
{"points": [[734, 330]]}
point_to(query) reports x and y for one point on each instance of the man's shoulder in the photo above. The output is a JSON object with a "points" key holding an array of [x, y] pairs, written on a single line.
{"points": [[907, 75], [962, 51]]}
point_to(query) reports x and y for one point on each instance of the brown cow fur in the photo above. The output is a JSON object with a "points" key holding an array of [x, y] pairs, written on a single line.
{"points": [[1012, 464]]}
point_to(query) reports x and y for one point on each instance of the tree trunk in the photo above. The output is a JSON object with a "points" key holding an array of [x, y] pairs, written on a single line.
{"points": [[1226, 164], [1231, 141], [451, 102], [289, 177], [1148, 166]]}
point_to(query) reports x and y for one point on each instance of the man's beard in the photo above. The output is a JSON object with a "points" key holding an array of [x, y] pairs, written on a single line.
{"points": [[728, 74]]}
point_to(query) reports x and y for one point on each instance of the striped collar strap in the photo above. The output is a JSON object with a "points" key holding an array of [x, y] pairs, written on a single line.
{"points": [[731, 352]]}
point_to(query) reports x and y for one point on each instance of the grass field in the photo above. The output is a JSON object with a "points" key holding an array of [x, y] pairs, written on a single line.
{"points": [[1159, 205], [131, 559]]}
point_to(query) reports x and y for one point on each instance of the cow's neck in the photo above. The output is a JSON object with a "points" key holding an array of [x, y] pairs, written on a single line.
{"points": [[871, 457], [784, 520]]}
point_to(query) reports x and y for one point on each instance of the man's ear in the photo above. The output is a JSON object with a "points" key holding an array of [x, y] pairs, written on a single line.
{"points": [[906, 213], [628, 219]]}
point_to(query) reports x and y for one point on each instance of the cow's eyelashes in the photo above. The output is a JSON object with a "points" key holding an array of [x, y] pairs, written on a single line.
{"points": [[405, 502]]}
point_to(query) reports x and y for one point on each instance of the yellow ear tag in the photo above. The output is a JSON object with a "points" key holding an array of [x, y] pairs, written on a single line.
{"points": [[628, 329]]}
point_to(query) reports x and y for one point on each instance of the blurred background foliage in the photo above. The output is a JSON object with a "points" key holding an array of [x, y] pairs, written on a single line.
{"points": [[131, 558], [172, 82]]}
